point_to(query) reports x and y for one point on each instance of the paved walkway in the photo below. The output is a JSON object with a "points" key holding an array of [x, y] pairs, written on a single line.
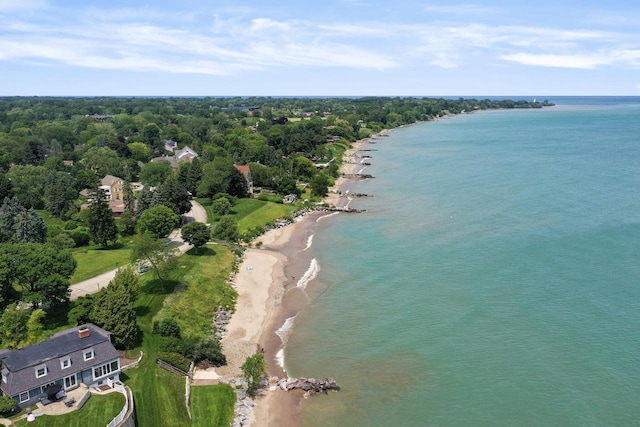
{"points": [[94, 284]]}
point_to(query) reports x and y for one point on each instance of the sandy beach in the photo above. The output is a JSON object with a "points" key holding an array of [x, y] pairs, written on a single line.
{"points": [[266, 275]]}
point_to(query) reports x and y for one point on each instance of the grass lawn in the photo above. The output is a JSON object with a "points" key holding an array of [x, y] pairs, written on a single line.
{"points": [[251, 213], [194, 306], [212, 406], [160, 395], [94, 260], [98, 411]]}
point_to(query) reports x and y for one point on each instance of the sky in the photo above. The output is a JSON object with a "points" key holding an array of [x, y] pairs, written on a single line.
{"points": [[319, 48]]}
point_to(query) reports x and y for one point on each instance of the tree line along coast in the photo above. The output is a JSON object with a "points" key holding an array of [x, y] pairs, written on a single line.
{"points": [[89, 184]]}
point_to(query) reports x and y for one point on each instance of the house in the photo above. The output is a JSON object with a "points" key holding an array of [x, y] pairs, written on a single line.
{"points": [[185, 154], [112, 187], [246, 172], [80, 355]]}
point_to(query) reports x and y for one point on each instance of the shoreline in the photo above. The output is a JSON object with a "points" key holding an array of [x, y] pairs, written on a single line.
{"points": [[268, 283]]}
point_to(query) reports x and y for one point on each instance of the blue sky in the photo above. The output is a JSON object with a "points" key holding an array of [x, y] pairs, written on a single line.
{"points": [[319, 48]]}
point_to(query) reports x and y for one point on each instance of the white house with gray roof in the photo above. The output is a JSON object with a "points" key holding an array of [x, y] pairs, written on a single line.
{"points": [[83, 354]]}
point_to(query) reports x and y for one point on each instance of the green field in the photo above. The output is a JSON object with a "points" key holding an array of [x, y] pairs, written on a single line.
{"points": [[94, 260], [194, 306], [212, 406], [98, 411]]}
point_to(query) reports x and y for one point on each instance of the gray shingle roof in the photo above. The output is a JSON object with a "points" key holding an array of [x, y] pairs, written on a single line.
{"points": [[19, 365]]}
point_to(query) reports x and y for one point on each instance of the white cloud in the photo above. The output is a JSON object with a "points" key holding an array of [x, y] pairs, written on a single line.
{"points": [[584, 61], [21, 5]]}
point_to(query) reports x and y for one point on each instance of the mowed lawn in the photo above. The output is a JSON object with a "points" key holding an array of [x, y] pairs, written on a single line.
{"points": [[99, 410], [212, 405], [93, 261], [251, 213], [158, 394]]}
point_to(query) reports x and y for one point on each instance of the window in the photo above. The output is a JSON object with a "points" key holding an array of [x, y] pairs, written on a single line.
{"points": [[43, 387], [65, 362], [88, 354], [41, 371], [24, 397], [70, 381], [106, 369]]}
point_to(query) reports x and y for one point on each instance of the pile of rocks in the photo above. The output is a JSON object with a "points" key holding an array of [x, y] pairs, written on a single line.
{"points": [[310, 386], [220, 321]]}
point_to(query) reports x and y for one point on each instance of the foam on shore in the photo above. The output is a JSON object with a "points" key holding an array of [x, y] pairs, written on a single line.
{"points": [[327, 216], [309, 242], [309, 275]]}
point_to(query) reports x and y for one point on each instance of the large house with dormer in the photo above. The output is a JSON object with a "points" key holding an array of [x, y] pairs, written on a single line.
{"points": [[78, 355], [185, 154]]}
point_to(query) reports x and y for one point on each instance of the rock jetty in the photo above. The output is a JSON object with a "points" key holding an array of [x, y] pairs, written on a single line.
{"points": [[310, 386]]}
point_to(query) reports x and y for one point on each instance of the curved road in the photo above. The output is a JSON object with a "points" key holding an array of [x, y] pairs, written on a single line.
{"points": [[93, 285]]}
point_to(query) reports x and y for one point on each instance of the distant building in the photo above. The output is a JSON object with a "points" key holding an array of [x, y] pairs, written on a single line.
{"points": [[185, 154], [78, 355], [246, 172]]}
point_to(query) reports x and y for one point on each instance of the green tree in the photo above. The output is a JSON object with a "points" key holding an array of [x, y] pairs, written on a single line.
{"points": [[128, 198], [196, 234], [151, 136], [221, 206], [6, 189], [139, 151], [159, 221], [28, 184], [7, 404], [215, 177], [59, 193], [34, 327], [253, 370], [40, 272], [126, 224], [194, 176], [226, 229], [113, 311], [238, 185], [155, 173], [102, 226], [81, 311], [13, 326], [29, 227], [11, 208], [319, 184], [176, 196], [147, 249], [144, 200]]}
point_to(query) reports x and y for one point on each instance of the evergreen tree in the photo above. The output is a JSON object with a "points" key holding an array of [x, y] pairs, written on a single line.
{"points": [[113, 311], [102, 226], [59, 192], [238, 185], [30, 227], [194, 176], [11, 207], [176, 196], [144, 200], [128, 198]]}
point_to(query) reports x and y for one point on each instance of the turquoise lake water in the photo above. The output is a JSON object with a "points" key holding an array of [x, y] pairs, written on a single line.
{"points": [[493, 281]]}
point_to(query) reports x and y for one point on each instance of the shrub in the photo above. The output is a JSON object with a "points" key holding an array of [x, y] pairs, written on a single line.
{"points": [[70, 225], [175, 359], [167, 328], [176, 345], [7, 404], [209, 349], [80, 237]]}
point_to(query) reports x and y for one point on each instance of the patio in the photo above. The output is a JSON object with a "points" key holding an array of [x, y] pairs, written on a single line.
{"points": [[77, 396]]}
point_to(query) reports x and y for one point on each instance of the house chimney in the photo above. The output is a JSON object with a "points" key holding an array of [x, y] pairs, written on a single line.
{"points": [[83, 332]]}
